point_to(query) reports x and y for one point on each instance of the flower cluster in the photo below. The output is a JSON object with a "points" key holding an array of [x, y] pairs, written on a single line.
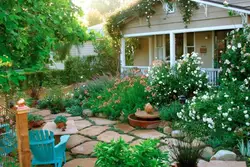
{"points": [[186, 78]]}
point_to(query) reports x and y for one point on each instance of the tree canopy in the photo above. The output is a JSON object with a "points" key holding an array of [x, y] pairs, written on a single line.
{"points": [[31, 29]]}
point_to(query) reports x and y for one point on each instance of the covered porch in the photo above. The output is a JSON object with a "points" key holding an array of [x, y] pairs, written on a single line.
{"points": [[170, 46]]}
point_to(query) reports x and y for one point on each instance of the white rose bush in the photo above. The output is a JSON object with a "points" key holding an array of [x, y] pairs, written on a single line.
{"points": [[223, 113], [186, 78]]}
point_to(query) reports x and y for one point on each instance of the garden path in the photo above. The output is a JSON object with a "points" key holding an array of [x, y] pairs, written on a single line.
{"points": [[80, 146]]}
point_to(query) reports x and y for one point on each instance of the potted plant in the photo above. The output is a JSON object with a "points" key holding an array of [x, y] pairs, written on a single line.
{"points": [[60, 122], [35, 121]]}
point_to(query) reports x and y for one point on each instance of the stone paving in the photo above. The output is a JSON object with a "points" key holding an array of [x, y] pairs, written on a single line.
{"points": [[80, 146]]}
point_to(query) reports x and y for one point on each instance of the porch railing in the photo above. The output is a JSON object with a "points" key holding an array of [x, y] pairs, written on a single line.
{"points": [[212, 74]]}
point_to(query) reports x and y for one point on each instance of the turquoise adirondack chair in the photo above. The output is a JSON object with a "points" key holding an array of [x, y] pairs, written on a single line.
{"points": [[44, 150], [8, 142]]}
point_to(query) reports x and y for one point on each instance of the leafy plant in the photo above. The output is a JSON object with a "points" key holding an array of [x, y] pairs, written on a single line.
{"points": [[34, 118], [60, 119], [244, 148], [169, 113], [120, 154], [74, 110], [186, 154]]}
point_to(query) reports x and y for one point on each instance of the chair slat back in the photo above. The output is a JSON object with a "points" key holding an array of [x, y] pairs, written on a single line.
{"points": [[42, 145]]}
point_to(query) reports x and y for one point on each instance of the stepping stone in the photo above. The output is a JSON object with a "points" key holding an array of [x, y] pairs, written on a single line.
{"points": [[136, 142], [85, 148], [82, 124], [124, 127], [75, 118], [102, 121], [43, 113], [75, 140], [81, 162], [148, 134], [222, 164], [93, 130], [111, 135]]}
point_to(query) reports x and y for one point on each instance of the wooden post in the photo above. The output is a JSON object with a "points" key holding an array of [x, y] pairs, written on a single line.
{"points": [[23, 134]]}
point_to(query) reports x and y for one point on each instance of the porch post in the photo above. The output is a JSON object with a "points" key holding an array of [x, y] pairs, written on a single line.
{"points": [[150, 45], [172, 49], [122, 58]]}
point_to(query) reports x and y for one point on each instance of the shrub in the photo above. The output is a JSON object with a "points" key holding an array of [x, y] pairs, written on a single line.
{"points": [[169, 112], [119, 153], [74, 110], [34, 118], [124, 97], [185, 78]]}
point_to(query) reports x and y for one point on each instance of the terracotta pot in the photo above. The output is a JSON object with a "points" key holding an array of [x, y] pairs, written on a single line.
{"points": [[31, 124], [148, 124], [61, 125], [38, 124]]}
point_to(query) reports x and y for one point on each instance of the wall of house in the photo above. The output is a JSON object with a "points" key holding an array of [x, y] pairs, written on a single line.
{"points": [[142, 53], [162, 22], [86, 49], [204, 41]]}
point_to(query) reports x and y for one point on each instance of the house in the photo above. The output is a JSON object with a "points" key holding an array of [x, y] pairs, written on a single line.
{"points": [[87, 49], [168, 39]]}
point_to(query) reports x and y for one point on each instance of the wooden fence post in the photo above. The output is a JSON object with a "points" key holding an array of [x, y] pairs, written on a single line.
{"points": [[23, 134]]}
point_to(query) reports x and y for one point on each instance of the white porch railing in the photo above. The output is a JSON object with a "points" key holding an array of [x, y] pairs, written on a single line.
{"points": [[212, 74]]}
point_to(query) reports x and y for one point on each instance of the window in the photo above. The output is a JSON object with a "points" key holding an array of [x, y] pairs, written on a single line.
{"points": [[190, 43], [169, 7], [179, 45], [159, 47]]}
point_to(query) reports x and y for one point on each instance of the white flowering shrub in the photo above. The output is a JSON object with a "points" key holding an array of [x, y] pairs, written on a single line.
{"points": [[236, 60], [186, 78], [226, 110]]}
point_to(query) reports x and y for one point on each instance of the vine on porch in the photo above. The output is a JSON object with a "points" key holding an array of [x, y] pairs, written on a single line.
{"points": [[145, 8]]}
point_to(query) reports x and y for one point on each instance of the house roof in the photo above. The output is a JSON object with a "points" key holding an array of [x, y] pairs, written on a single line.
{"points": [[99, 28]]}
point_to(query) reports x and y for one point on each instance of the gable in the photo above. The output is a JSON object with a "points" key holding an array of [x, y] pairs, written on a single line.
{"points": [[162, 22]]}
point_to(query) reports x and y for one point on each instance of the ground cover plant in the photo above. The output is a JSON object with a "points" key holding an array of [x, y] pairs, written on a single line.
{"points": [[121, 154]]}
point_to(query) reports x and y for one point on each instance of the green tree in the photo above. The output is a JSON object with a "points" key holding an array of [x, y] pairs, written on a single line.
{"points": [[30, 30]]}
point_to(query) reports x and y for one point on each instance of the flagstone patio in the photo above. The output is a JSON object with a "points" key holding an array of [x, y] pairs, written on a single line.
{"points": [[80, 146]]}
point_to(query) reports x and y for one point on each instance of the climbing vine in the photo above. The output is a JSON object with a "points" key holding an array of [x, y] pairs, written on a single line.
{"points": [[145, 8]]}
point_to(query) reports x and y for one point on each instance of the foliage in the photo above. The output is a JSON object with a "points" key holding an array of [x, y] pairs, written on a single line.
{"points": [[34, 118], [94, 17], [123, 98], [60, 119], [119, 153], [166, 83], [224, 111], [74, 110], [244, 148], [169, 112], [53, 101], [186, 154], [24, 24]]}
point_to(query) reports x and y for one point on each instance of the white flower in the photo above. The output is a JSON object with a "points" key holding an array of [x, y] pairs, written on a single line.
{"points": [[229, 119], [226, 96], [219, 108], [246, 98], [246, 116], [227, 62], [234, 48], [225, 114], [247, 123], [245, 112], [229, 46], [229, 129], [239, 45]]}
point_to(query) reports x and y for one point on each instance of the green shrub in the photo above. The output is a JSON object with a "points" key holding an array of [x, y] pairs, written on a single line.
{"points": [[124, 97], [120, 154], [74, 110], [32, 117], [169, 113]]}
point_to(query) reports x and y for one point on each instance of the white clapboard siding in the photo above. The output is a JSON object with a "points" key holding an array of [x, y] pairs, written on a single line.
{"points": [[87, 49]]}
